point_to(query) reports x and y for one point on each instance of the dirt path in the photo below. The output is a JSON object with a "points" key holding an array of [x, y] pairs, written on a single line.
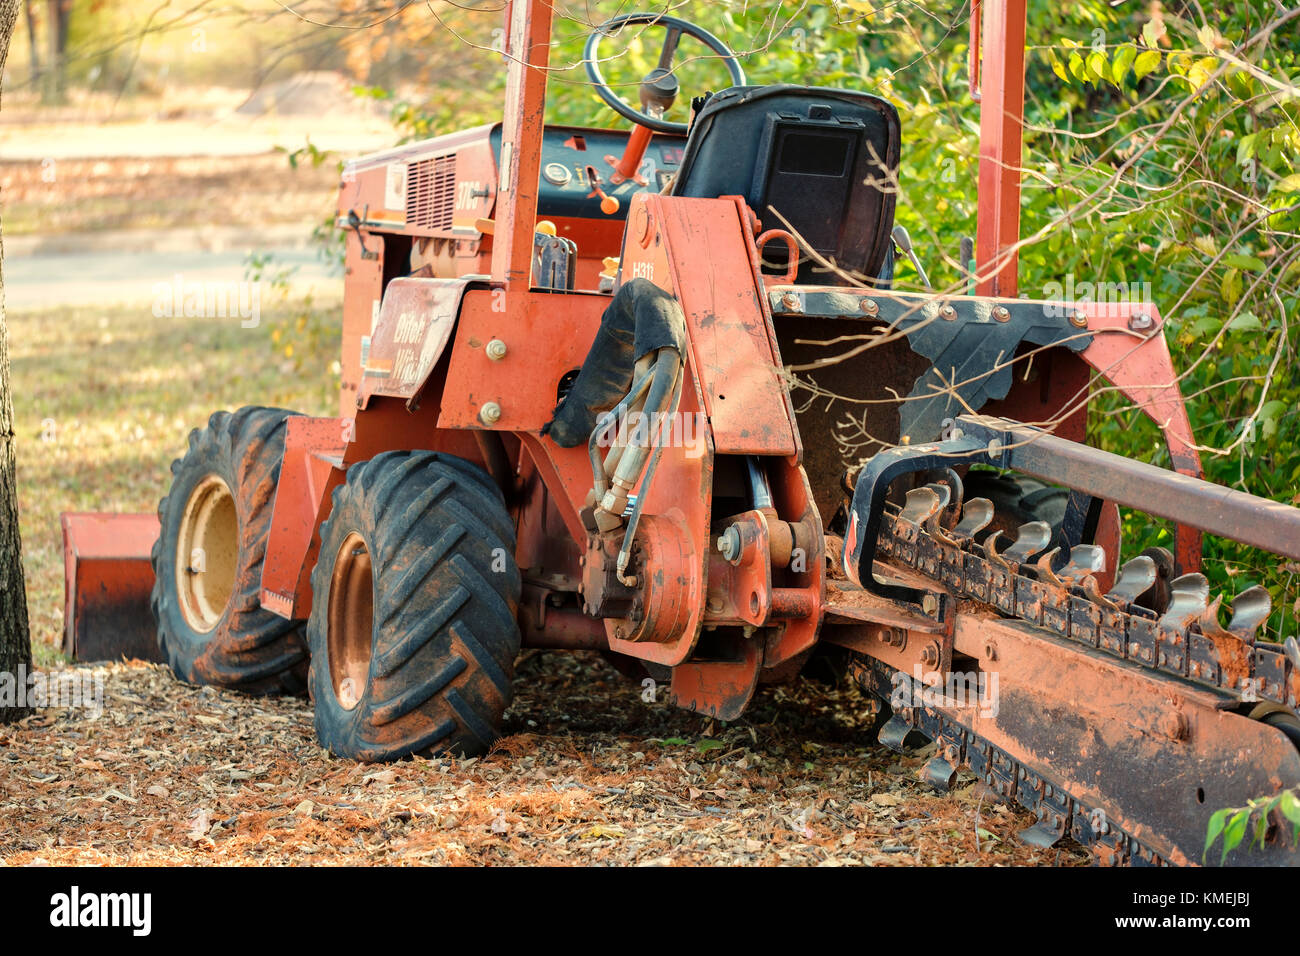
{"points": [[589, 774]]}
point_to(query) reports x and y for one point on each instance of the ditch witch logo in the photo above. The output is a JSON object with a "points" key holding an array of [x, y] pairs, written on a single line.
{"points": [[77, 909]]}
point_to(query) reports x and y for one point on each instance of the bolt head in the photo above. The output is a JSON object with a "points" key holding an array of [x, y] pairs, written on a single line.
{"points": [[948, 312], [496, 350], [1141, 322], [869, 307], [1001, 313], [1079, 319], [791, 302], [490, 413], [729, 544], [1175, 725]]}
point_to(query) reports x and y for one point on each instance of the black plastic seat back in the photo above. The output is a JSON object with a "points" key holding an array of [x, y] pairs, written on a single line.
{"points": [[825, 159]]}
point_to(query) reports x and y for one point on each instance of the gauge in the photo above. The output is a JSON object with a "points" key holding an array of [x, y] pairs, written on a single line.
{"points": [[557, 173]]}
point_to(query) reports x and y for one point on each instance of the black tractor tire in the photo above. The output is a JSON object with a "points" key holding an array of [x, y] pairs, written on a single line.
{"points": [[413, 629], [1017, 498], [212, 628]]}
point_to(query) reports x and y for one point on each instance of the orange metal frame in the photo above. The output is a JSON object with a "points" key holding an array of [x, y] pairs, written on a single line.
{"points": [[429, 381]]}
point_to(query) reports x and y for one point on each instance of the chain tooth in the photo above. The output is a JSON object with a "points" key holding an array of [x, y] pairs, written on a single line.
{"points": [[976, 515], [1085, 560], [1250, 609], [944, 494], [1031, 537], [1292, 650], [1044, 567], [1209, 622], [1189, 597], [991, 550], [1136, 576], [920, 504]]}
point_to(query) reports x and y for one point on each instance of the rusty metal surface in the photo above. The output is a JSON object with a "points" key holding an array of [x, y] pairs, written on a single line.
{"points": [[1124, 760], [313, 450], [1226, 512], [107, 582], [1002, 109], [546, 335], [409, 334], [719, 686], [730, 348], [528, 32]]}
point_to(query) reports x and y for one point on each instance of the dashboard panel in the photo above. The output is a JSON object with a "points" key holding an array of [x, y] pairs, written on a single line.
{"points": [[571, 153]]}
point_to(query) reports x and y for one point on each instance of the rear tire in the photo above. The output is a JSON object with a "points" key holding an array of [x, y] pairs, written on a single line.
{"points": [[208, 558], [1018, 498], [413, 629]]}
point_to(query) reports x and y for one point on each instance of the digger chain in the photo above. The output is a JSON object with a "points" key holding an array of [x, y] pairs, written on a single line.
{"points": [[1058, 811], [1187, 640]]}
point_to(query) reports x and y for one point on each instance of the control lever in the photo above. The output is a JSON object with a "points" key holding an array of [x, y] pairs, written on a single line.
{"points": [[904, 243]]}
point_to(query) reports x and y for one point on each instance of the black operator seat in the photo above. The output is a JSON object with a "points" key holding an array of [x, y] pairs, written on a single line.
{"points": [[825, 159]]}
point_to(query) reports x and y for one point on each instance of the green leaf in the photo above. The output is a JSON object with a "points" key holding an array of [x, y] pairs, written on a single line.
{"points": [[1246, 322], [1146, 61], [1290, 184], [1250, 263], [1214, 829], [1200, 72], [1077, 69], [1290, 803], [1152, 32], [1261, 823], [704, 746], [674, 742], [1246, 147], [1124, 58], [1097, 66], [1234, 832], [1230, 289]]}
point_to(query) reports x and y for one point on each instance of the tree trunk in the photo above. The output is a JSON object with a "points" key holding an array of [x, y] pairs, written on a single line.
{"points": [[57, 14], [15, 639], [33, 47]]}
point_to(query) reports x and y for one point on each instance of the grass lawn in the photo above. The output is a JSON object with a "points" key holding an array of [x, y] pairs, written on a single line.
{"points": [[105, 398]]}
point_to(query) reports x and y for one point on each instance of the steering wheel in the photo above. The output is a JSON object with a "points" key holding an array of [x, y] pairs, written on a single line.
{"points": [[659, 87]]}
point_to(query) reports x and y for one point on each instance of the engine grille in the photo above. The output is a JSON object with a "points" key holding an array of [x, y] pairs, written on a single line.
{"points": [[431, 192]]}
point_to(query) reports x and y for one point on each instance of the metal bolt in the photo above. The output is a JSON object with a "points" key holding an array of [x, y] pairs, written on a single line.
{"points": [[930, 654], [1079, 320], [791, 301], [948, 313], [490, 413], [1175, 725], [1001, 313], [496, 350], [1140, 322], [929, 604], [869, 307], [729, 544]]}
